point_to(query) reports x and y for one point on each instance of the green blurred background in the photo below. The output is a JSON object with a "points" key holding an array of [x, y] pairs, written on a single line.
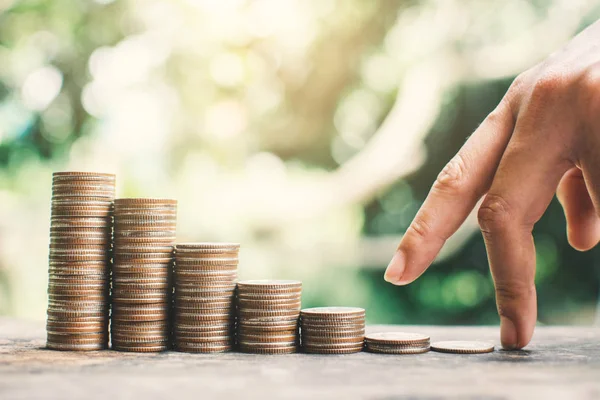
{"points": [[308, 130]]}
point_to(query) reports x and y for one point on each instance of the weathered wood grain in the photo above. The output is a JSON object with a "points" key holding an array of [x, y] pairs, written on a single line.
{"points": [[562, 362]]}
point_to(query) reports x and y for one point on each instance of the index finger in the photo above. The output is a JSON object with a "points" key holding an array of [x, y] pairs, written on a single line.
{"points": [[464, 180]]}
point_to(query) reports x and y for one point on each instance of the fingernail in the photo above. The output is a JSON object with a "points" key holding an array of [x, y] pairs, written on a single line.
{"points": [[508, 334], [395, 268]]}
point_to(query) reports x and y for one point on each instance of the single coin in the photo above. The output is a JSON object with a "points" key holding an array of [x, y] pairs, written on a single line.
{"points": [[269, 324], [263, 345], [267, 306], [123, 228], [102, 203], [138, 232], [462, 347], [199, 273], [81, 196], [65, 234], [245, 337], [214, 316], [336, 343], [333, 351], [144, 218], [332, 325], [268, 313], [332, 339], [137, 202], [327, 312], [102, 271], [203, 326], [83, 175], [139, 337], [270, 351], [140, 326], [84, 189], [96, 212], [207, 337], [144, 248], [94, 329], [199, 343], [146, 285], [190, 305], [208, 290], [205, 280], [266, 284], [143, 241], [398, 351], [206, 245], [102, 240], [62, 199], [192, 348], [396, 338], [76, 347], [79, 336], [137, 299], [335, 332], [77, 305], [208, 266], [207, 253], [135, 268], [146, 210], [140, 349]]}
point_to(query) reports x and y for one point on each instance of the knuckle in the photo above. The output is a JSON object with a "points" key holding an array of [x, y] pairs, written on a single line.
{"points": [[590, 91], [508, 295], [518, 83], [452, 179], [494, 214], [420, 227], [549, 83], [423, 229]]}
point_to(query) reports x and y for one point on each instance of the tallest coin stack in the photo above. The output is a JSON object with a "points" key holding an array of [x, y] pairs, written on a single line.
{"points": [[79, 265]]}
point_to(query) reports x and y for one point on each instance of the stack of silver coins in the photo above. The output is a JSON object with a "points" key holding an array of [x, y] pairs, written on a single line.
{"points": [[332, 330], [205, 276], [144, 233], [79, 265], [268, 312], [397, 343]]}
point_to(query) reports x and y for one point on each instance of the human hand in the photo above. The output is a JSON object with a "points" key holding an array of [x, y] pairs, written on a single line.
{"points": [[542, 139]]}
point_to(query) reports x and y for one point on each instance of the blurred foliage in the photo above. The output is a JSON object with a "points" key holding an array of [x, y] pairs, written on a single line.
{"points": [[228, 105]]}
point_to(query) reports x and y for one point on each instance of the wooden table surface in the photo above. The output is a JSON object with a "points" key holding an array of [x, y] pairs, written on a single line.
{"points": [[561, 363]]}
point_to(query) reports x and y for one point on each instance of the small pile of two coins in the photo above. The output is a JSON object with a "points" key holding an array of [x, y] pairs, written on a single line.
{"points": [[79, 264], [205, 276], [268, 312], [332, 330], [144, 236]]}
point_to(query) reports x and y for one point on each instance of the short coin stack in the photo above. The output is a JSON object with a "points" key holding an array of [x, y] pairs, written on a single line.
{"points": [[79, 265], [268, 312], [332, 330], [397, 343], [143, 260], [205, 276], [462, 347]]}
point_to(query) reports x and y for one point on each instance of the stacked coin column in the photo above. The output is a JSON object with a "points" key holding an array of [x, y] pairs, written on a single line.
{"points": [[397, 343], [142, 289], [79, 265], [205, 276], [332, 330], [268, 314]]}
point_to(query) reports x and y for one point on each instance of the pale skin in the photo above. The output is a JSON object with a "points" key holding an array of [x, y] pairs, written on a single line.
{"points": [[542, 139]]}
